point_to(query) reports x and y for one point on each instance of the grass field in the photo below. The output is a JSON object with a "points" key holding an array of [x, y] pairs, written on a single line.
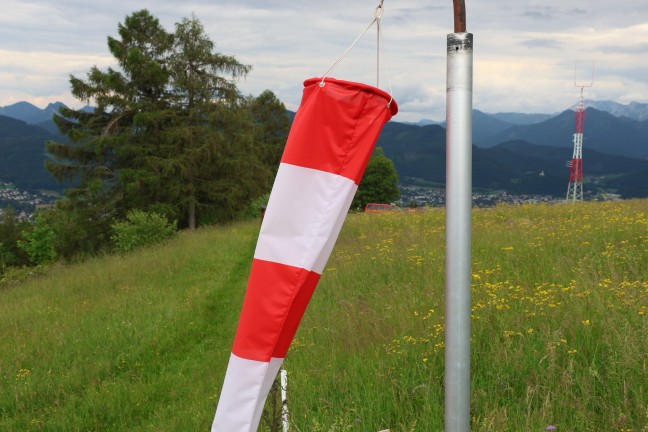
{"points": [[140, 342]]}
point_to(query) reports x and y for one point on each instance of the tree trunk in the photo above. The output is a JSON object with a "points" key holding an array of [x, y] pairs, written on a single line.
{"points": [[192, 215]]}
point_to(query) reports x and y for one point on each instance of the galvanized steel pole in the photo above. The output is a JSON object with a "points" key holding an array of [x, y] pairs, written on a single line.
{"points": [[458, 223]]}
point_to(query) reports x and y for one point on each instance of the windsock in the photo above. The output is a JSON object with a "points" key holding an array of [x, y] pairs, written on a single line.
{"points": [[330, 142]]}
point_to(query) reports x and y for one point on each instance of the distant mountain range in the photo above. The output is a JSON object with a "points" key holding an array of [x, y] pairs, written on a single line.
{"points": [[29, 113], [633, 110], [516, 166], [516, 152], [603, 132], [22, 155]]}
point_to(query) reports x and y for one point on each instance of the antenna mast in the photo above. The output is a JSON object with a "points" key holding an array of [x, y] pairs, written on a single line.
{"points": [[575, 188]]}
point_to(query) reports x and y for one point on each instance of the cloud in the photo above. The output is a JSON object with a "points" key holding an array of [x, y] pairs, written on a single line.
{"points": [[577, 11], [640, 48], [523, 59], [545, 14], [541, 43]]}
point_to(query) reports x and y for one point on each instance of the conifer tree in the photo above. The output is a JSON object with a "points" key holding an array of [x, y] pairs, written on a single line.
{"points": [[115, 136], [271, 125], [169, 131]]}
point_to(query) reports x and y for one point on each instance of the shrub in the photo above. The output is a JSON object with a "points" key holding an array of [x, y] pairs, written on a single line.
{"points": [[253, 209], [141, 228], [11, 229], [38, 242], [15, 275]]}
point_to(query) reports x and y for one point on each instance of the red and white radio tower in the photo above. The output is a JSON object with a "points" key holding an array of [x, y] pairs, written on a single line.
{"points": [[575, 188]]}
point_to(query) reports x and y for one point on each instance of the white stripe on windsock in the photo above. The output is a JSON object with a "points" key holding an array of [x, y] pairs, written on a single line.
{"points": [[244, 392], [268, 380], [300, 227]]}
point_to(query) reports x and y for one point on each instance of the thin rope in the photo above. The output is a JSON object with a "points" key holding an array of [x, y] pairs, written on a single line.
{"points": [[348, 50], [384, 54], [378, 53], [380, 46], [378, 13]]}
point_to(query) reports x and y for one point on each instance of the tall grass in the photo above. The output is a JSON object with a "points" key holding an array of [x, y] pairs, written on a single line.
{"points": [[124, 343], [140, 342]]}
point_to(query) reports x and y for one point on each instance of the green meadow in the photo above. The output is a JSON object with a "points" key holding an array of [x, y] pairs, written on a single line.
{"points": [[140, 342]]}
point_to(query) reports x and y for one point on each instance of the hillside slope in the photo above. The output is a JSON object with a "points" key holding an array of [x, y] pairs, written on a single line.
{"points": [[140, 342], [123, 343], [23, 155]]}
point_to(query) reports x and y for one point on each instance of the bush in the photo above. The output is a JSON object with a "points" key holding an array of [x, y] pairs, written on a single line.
{"points": [[16, 275], [141, 228], [38, 242], [379, 183], [11, 230], [253, 210]]}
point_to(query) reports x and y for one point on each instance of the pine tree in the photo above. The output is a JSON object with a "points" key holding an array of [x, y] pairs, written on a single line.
{"points": [[169, 132], [271, 125], [115, 137]]}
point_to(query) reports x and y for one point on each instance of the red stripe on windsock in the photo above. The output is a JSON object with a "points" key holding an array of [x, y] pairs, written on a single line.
{"points": [[352, 119], [275, 301]]}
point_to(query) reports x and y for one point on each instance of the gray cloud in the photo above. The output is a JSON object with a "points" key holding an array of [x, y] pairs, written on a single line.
{"points": [[524, 51], [631, 47], [541, 43], [538, 14]]}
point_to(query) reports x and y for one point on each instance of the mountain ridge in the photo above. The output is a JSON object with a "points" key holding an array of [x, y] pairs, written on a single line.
{"points": [[509, 149], [23, 155], [633, 110], [603, 132], [30, 113], [516, 166]]}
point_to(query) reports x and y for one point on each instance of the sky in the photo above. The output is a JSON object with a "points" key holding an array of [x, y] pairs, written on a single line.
{"points": [[527, 53]]}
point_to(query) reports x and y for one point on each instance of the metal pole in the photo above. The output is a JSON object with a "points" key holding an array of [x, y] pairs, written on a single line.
{"points": [[459, 7], [458, 224], [284, 400]]}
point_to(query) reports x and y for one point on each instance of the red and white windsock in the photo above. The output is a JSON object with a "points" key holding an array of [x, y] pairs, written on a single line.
{"points": [[330, 142]]}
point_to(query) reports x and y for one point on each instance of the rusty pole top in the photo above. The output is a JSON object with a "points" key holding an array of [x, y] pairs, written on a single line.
{"points": [[459, 16]]}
